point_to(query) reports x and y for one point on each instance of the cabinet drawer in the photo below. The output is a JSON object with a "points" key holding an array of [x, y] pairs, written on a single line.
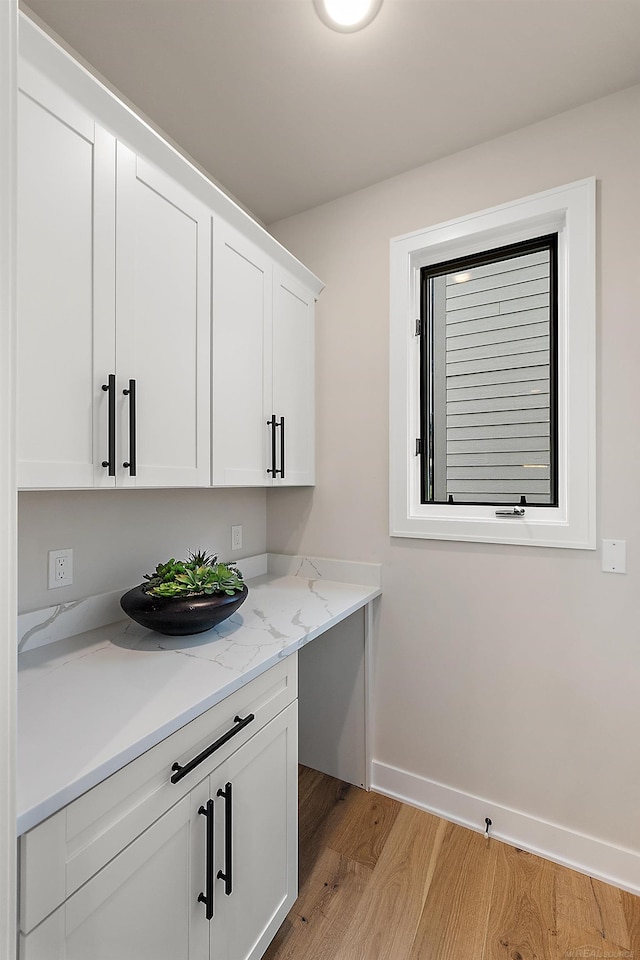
{"points": [[63, 852]]}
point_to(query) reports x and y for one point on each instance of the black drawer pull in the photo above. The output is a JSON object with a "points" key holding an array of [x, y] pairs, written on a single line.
{"points": [[240, 724], [227, 875], [207, 898]]}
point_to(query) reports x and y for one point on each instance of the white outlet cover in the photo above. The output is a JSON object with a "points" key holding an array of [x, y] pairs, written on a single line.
{"points": [[236, 536], [55, 580]]}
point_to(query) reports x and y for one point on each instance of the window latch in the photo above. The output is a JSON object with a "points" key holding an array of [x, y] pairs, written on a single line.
{"points": [[514, 512]]}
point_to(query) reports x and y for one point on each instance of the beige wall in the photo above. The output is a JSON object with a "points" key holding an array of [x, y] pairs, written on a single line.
{"points": [[509, 673], [119, 535]]}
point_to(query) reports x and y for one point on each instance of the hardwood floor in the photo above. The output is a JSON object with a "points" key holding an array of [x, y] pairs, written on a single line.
{"points": [[380, 880]]}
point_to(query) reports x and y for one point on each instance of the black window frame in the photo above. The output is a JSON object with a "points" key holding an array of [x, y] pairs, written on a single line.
{"points": [[425, 444]]}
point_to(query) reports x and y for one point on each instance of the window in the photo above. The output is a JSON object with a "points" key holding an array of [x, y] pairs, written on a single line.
{"points": [[488, 377], [493, 375]]}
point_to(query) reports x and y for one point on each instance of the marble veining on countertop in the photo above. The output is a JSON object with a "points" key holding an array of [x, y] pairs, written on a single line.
{"points": [[89, 704]]}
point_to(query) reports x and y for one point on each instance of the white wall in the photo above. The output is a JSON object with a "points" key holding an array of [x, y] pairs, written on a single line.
{"points": [[509, 674], [119, 535]]}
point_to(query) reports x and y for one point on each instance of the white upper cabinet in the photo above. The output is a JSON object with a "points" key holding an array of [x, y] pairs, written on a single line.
{"points": [[263, 368], [113, 309], [162, 328], [61, 409], [293, 380], [241, 378], [164, 338]]}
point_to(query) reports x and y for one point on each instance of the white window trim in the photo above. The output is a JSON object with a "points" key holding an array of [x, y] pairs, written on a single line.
{"points": [[569, 211]]}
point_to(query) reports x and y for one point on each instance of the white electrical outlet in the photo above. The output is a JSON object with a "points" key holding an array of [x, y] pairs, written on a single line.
{"points": [[236, 537], [60, 568]]}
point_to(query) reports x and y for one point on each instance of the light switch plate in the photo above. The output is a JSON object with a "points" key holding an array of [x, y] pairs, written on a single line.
{"points": [[614, 556]]}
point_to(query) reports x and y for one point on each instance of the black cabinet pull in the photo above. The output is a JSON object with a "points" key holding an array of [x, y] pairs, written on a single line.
{"points": [[131, 463], [273, 424], [228, 840], [207, 896], [281, 425], [240, 724], [110, 388]]}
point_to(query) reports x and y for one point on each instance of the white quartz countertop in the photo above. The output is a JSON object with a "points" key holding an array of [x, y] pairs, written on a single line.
{"points": [[89, 704]]}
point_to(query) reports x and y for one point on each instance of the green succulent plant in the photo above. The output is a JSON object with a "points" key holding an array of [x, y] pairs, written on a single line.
{"points": [[199, 575]]}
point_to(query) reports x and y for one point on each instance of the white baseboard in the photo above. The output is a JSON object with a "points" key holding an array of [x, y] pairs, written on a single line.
{"points": [[596, 858]]}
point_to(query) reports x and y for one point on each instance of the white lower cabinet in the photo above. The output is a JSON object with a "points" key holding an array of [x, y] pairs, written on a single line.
{"points": [[212, 878], [137, 907], [264, 856]]}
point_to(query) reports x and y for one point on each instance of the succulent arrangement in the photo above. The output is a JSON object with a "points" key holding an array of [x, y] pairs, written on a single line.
{"points": [[199, 575]]}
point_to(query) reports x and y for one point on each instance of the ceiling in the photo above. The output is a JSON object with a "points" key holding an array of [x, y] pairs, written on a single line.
{"points": [[288, 114]]}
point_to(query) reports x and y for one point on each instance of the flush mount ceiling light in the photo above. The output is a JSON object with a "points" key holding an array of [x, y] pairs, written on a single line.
{"points": [[347, 16]]}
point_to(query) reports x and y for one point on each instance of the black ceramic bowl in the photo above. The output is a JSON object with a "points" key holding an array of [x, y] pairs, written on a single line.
{"points": [[180, 616]]}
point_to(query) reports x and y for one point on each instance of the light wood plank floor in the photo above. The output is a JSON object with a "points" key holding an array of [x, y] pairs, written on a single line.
{"points": [[380, 880]]}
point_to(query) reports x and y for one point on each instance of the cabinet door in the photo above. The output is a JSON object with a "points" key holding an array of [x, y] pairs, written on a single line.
{"points": [[66, 180], [293, 378], [141, 906], [162, 327], [241, 351], [264, 850]]}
